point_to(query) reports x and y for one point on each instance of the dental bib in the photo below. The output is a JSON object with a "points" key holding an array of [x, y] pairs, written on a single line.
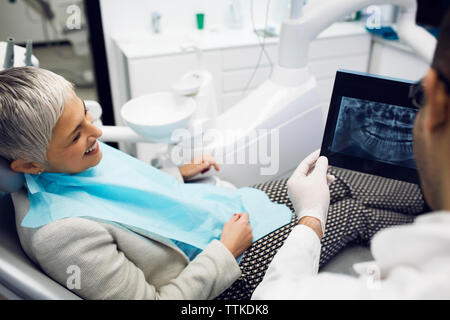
{"points": [[128, 191]]}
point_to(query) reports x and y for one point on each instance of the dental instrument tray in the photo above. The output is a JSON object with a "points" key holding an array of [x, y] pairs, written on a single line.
{"points": [[370, 126]]}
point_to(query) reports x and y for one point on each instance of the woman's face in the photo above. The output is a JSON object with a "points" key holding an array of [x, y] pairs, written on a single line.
{"points": [[73, 147]]}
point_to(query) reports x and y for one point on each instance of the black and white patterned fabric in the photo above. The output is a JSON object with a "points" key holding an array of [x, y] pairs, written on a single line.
{"points": [[360, 206]]}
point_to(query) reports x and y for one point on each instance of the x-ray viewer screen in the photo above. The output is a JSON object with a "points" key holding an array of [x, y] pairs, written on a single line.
{"points": [[375, 131]]}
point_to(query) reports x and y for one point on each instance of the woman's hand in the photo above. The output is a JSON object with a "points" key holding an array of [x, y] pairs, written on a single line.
{"points": [[198, 165], [237, 234]]}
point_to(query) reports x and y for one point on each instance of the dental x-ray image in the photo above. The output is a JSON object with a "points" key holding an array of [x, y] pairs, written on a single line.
{"points": [[375, 131]]}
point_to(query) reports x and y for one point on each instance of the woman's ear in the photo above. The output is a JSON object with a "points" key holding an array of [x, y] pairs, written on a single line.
{"points": [[437, 109], [24, 166]]}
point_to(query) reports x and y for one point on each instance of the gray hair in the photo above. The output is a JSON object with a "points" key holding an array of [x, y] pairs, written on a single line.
{"points": [[31, 102]]}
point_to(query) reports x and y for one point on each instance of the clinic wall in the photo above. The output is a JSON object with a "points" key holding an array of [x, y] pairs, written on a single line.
{"points": [[23, 23], [20, 22], [180, 14]]}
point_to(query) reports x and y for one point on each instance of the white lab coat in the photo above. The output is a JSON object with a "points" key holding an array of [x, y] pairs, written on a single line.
{"points": [[410, 262]]}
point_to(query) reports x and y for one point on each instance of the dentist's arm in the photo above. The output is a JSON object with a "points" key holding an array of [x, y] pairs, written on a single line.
{"points": [[299, 256]]}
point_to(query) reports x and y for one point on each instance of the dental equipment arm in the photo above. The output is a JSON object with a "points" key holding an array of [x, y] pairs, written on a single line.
{"points": [[297, 34], [111, 133], [9, 55], [29, 53], [41, 7]]}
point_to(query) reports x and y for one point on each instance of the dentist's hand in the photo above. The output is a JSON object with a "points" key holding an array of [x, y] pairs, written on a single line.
{"points": [[198, 165], [308, 189], [237, 234]]}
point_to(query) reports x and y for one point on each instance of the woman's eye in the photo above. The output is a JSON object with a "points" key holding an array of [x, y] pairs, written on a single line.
{"points": [[76, 138]]}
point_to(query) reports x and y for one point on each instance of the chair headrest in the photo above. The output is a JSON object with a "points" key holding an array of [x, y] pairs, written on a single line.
{"points": [[10, 181]]}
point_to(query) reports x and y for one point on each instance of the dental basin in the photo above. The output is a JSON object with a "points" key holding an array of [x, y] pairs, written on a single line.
{"points": [[155, 116]]}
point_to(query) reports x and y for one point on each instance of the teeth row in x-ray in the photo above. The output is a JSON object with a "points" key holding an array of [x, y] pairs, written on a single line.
{"points": [[382, 130]]}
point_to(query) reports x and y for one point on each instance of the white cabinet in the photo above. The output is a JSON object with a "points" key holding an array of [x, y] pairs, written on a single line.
{"points": [[233, 68], [240, 79], [153, 74], [395, 60], [247, 57]]}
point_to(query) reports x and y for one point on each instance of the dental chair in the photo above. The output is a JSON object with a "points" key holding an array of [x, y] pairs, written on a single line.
{"points": [[20, 278]]}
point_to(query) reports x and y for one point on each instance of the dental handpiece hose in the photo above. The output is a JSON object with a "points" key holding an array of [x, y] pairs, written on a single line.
{"points": [[9, 55], [28, 53]]}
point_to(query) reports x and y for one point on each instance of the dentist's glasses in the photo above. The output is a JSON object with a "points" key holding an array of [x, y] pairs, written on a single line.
{"points": [[417, 92]]}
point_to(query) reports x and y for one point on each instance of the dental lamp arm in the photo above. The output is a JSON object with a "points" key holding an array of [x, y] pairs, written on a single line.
{"points": [[417, 38], [41, 7], [297, 34]]}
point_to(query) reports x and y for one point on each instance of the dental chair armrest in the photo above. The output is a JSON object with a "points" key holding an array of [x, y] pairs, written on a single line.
{"points": [[27, 283], [20, 278]]}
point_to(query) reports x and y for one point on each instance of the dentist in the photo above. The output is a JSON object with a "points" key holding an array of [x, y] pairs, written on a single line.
{"points": [[410, 261]]}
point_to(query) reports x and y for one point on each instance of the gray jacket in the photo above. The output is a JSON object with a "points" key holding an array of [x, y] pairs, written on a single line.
{"points": [[114, 262]]}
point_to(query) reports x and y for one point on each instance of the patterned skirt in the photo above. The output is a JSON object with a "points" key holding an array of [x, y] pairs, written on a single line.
{"points": [[360, 206]]}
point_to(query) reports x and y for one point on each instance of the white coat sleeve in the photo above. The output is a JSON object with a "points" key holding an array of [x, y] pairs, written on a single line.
{"points": [[293, 273], [296, 260]]}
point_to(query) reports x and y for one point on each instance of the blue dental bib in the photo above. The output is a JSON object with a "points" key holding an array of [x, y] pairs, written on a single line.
{"points": [[126, 190]]}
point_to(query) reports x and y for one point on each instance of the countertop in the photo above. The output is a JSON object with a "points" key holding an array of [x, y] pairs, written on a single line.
{"points": [[145, 44], [396, 44]]}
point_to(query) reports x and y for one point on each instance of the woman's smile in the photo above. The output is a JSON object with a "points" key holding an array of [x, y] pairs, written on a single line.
{"points": [[92, 150]]}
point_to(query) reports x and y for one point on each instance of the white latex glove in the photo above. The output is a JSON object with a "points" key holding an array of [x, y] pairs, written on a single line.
{"points": [[308, 188]]}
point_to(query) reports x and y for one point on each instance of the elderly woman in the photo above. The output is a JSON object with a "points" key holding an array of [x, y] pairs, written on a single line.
{"points": [[135, 232]]}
